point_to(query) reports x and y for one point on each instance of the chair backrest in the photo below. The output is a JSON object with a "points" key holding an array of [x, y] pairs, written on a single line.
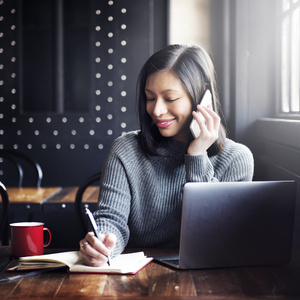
{"points": [[78, 198], [20, 162], [3, 213]]}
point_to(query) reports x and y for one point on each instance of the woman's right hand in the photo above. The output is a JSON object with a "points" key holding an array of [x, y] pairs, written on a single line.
{"points": [[93, 252]]}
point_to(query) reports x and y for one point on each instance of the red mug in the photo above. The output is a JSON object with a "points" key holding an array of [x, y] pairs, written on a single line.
{"points": [[27, 238]]}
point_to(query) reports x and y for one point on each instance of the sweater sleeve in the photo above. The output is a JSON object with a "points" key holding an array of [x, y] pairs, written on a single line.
{"points": [[114, 200], [235, 163]]}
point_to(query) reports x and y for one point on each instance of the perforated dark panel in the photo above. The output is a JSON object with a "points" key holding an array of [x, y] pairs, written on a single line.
{"points": [[71, 145]]}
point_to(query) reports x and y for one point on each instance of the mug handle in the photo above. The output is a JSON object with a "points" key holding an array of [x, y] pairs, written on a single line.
{"points": [[49, 237]]}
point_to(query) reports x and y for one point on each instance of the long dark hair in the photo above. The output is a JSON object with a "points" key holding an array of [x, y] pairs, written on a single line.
{"points": [[194, 68]]}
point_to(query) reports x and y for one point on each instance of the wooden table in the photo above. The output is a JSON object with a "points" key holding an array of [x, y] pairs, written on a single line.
{"points": [[29, 195], [158, 282]]}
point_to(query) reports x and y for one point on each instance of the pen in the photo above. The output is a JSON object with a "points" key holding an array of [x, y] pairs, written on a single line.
{"points": [[94, 227]]}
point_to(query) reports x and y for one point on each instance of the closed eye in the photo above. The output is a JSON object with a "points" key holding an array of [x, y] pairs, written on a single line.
{"points": [[172, 100]]}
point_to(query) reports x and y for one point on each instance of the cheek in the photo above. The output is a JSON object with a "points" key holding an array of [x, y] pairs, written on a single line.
{"points": [[149, 108]]}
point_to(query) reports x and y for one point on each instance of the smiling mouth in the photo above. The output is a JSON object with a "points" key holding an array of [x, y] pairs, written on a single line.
{"points": [[164, 123]]}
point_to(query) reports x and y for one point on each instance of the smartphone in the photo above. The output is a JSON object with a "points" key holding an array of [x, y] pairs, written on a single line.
{"points": [[205, 101]]}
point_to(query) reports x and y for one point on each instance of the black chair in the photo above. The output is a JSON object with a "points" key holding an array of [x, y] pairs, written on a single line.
{"points": [[78, 199], [19, 161], [3, 215]]}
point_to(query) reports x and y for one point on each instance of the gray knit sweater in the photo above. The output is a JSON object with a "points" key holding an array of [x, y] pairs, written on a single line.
{"points": [[140, 196]]}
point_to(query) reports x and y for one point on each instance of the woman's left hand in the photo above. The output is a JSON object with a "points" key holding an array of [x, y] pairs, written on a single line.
{"points": [[209, 127]]}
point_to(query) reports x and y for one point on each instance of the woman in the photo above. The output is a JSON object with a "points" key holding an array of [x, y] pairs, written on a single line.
{"points": [[140, 196]]}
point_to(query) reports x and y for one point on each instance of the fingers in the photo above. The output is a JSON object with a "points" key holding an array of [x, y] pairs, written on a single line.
{"points": [[95, 252], [210, 121]]}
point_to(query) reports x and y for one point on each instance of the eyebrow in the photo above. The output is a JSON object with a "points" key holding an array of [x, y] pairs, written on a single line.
{"points": [[164, 91]]}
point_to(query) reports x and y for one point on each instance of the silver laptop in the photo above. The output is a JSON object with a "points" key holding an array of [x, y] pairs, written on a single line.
{"points": [[231, 224]]}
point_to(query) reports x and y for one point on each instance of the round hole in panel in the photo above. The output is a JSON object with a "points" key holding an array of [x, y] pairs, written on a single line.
{"points": [[81, 119], [123, 77], [97, 28], [1, 67], [123, 43], [13, 27], [1, 131], [92, 132], [110, 67], [48, 120], [123, 93], [97, 44], [98, 59], [55, 132], [98, 12], [86, 146], [19, 132], [110, 34], [123, 60], [13, 106], [14, 120], [123, 10], [110, 18], [13, 59], [110, 2], [100, 146], [29, 146], [36, 132], [13, 91], [44, 146], [1, 99], [123, 109], [98, 119], [58, 146], [30, 120], [13, 11], [110, 83], [109, 132], [110, 99], [98, 108], [97, 92], [109, 116], [72, 146], [123, 26], [64, 120], [123, 125], [13, 75], [73, 132], [13, 43], [16, 146], [110, 51], [1, 116], [98, 75], [1, 82]]}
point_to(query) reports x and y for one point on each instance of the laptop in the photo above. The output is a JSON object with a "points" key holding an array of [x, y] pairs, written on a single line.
{"points": [[234, 224]]}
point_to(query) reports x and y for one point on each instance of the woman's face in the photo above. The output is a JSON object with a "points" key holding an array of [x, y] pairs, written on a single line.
{"points": [[169, 105]]}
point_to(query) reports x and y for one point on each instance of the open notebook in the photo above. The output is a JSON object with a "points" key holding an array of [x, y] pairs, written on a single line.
{"points": [[129, 263], [232, 224]]}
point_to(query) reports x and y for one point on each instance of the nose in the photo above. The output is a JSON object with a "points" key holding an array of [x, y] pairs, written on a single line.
{"points": [[159, 107]]}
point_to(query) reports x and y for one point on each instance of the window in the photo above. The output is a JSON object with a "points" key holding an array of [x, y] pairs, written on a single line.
{"points": [[290, 39]]}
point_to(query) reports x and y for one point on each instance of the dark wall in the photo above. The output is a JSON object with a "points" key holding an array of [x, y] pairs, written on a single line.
{"points": [[68, 74]]}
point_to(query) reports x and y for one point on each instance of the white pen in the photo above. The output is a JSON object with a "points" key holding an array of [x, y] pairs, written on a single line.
{"points": [[94, 227]]}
